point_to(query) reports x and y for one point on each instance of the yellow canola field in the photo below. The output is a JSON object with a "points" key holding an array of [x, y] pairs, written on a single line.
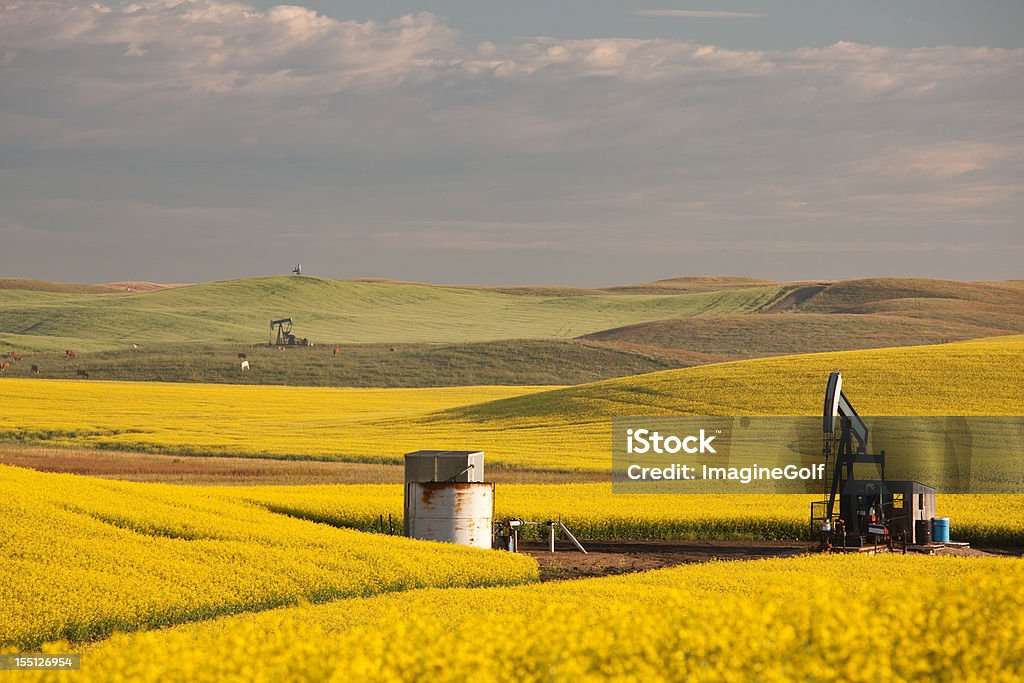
{"points": [[561, 429], [84, 557], [811, 618], [287, 422], [590, 510], [593, 511]]}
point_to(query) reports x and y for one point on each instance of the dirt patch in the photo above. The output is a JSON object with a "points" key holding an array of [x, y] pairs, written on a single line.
{"points": [[998, 552], [606, 558], [182, 469], [203, 470], [795, 298], [966, 551]]}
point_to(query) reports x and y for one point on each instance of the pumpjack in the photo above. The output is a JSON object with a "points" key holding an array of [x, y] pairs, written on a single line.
{"points": [[285, 336], [870, 510]]}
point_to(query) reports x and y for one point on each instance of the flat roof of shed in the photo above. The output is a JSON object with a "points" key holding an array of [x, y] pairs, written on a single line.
{"points": [[441, 453]]}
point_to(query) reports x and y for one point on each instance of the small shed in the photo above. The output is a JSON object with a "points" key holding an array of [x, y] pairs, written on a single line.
{"points": [[903, 503]]}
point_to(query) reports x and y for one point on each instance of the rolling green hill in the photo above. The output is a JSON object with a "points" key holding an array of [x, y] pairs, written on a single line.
{"points": [[30, 285], [995, 316], [702, 283], [753, 336], [508, 362], [851, 295], [333, 311], [464, 335]]}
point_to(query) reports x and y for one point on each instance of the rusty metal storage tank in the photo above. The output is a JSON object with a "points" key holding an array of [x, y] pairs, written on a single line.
{"points": [[446, 498]]}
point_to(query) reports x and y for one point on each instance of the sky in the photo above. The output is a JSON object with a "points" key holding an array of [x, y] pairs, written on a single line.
{"points": [[583, 142]]}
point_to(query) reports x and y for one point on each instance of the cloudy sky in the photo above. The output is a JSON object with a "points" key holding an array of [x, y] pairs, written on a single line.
{"points": [[583, 142]]}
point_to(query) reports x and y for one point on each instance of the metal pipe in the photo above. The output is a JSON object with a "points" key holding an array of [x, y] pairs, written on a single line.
{"points": [[453, 478], [572, 538]]}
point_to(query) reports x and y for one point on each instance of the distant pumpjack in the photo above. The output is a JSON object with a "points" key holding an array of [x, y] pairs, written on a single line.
{"points": [[285, 336]]}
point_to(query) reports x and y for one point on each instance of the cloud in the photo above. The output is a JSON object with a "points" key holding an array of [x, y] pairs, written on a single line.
{"points": [[212, 46], [696, 14], [939, 161], [368, 137]]}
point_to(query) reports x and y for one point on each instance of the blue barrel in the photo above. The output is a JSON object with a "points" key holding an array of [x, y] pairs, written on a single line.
{"points": [[940, 529]]}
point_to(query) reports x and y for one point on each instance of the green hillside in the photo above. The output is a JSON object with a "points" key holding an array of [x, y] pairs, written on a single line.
{"points": [[996, 316], [752, 336], [506, 362], [29, 285], [464, 335], [700, 283], [333, 311], [849, 295]]}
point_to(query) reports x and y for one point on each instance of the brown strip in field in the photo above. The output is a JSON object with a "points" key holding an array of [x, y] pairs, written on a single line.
{"points": [[795, 298], [605, 558], [203, 470]]}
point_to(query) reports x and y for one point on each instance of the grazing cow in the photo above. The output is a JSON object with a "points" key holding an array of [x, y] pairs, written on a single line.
{"points": [[4, 366], [83, 373], [69, 353], [35, 369], [337, 351], [245, 365], [392, 349], [241, 355], [12, 354]]}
